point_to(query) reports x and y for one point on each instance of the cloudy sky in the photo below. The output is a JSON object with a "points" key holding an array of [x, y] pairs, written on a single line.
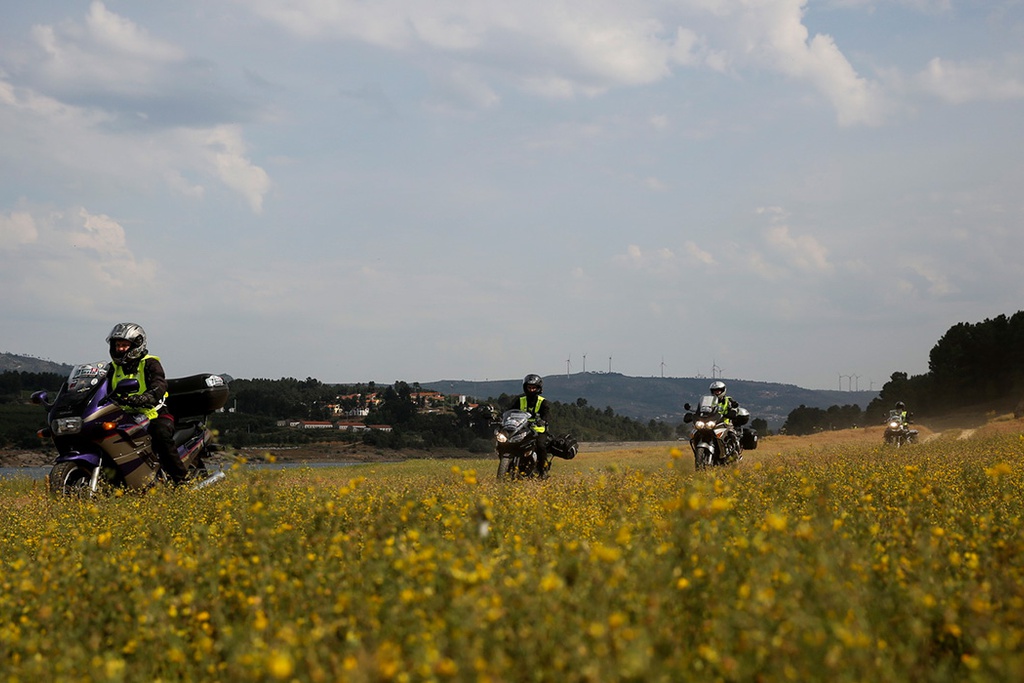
{"points": [[809, 192]]}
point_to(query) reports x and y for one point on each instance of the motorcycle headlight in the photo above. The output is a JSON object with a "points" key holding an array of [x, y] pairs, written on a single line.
{"points": [[501, 437], [66, 425], [894, 425]]}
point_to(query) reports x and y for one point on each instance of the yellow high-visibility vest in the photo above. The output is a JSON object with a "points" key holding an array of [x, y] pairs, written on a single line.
{"points": [[535, 412], [140, 376]]}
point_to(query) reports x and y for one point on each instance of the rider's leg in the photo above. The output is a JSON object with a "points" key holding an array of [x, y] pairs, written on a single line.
{"points": [[161, 431]]}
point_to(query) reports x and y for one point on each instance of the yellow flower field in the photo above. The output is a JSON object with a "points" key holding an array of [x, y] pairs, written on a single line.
{"points": [[844, 562]]}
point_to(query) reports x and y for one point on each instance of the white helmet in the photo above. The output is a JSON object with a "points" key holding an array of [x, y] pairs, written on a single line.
{"points": [[717, 389]]}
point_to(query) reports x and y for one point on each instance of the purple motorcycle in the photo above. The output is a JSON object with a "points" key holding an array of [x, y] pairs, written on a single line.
{"points": [[99, 444]]}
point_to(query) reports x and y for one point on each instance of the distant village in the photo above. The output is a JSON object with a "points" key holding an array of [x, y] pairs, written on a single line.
{"points": [[352, 419]]}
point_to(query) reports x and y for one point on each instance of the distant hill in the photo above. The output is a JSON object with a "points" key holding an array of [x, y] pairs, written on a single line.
{"points": [[16, 363], [662, 398]]}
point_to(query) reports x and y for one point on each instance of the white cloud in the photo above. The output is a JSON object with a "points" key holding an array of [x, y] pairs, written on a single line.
{"points": [[17, 228], [699, 255], [661, 261], [100, 233], [958, 83], [928, 278], [463, 87], [226, 156], [802, 251], [570, 48], [80, 139], [107, 52], [77, 263]]}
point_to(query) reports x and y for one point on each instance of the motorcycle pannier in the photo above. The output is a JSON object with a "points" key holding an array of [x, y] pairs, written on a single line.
{"points": [[196, 395], [748, 438], [564, 447], [742, 417]]}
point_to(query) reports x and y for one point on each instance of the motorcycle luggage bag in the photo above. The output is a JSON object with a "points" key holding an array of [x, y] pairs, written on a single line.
{"points": [[196, 395], [748, 438], [564, 447]]}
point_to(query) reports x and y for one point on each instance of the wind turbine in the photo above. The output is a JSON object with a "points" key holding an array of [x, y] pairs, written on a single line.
{"points": [[663, 367], [568, 364]]}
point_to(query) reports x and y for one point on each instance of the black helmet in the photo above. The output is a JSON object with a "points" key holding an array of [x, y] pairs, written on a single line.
{"points": [[136, 338], [900, 405], [532, 384], [717, 388]]}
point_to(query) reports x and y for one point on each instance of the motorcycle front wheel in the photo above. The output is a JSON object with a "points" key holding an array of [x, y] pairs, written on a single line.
{"points": [[701, 458], [70, 479], [504, 465]]}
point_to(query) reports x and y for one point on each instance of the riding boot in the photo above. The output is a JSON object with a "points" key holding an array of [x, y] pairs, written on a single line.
{"points": [[161, 432]]}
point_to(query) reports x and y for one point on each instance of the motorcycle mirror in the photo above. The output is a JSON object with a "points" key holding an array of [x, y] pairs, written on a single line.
{"points": [[127, 386], [38, 397], [688, 417], [686, 406]]}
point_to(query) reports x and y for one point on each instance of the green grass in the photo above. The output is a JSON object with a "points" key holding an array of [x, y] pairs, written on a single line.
{"points": [[840, 562]]}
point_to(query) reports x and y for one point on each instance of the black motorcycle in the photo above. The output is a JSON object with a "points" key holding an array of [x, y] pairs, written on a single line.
{"points": [[100, 444], [714, 439], [515, 444], [897, 432]]}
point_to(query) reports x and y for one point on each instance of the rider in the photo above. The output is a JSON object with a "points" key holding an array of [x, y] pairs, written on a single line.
{"points": [[131, 360], [901, 412], [727, 406], [532, 402]]}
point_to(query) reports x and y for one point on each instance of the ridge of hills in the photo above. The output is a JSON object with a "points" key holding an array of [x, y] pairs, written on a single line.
{"points": [[19, 363], [662, 398], [639, 398]]}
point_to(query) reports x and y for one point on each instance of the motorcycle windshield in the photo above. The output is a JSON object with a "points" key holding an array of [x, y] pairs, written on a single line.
{"points": [[707, 406], [513, 420], [82, 382], [85, 377]]}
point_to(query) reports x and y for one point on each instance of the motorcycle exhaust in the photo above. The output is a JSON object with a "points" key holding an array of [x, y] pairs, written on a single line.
{"points": [[209, 481]]}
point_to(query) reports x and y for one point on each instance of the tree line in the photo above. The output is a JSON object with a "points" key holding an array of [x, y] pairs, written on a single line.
{"points": [[258, 404], [971, 364], [20, 420]]}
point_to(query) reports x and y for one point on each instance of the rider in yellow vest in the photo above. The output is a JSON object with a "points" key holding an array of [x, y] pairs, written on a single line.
{"points": [[532, 402], [901, 409], [727, 407], [132, 361]]}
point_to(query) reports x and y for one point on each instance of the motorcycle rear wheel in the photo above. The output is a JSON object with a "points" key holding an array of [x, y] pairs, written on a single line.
{"points": [[70, 479]]}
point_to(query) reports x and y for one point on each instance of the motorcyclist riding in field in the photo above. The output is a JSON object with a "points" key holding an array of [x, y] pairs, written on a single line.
{"points": [[727, 406], [532, 402], [131, 360]]}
